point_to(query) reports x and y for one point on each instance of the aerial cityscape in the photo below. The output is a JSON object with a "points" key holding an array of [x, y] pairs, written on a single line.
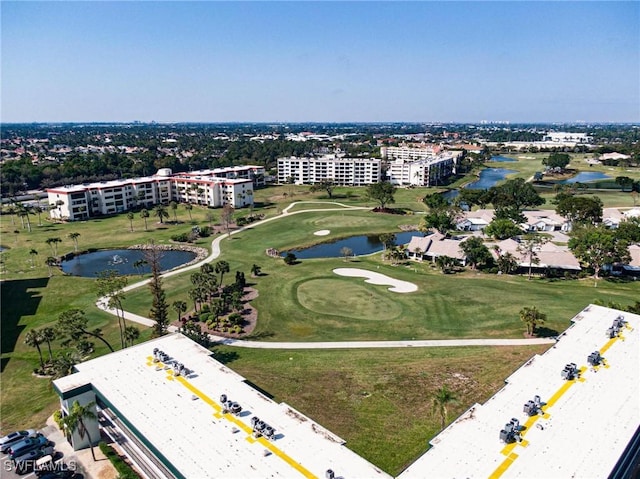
{"points": [[320, 239]]}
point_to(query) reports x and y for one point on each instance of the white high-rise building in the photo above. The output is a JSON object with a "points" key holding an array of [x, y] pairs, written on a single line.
{"points": [[343, 171]]}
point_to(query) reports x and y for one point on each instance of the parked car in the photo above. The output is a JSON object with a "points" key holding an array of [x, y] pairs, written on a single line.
{"points": [[22, 447], [34, 455], [7, 441]]}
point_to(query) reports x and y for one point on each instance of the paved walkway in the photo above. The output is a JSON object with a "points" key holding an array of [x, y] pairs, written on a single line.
{"points": [[215, 252]]}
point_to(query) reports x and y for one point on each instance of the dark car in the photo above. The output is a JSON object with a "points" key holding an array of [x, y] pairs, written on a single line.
{"points": [[22, 447], [7, 441]]}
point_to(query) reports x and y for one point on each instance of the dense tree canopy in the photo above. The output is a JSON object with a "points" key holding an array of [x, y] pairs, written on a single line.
{"points": [[512, 197], [382, 193], [557, 160], [579, 209], [598, 246]]}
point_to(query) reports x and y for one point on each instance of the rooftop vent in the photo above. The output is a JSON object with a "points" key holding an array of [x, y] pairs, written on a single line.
{"points": [[594, 358], [570, 372], [511, 432]]}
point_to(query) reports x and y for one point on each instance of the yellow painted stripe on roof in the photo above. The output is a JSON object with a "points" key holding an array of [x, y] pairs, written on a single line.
{"points": [[298, 467], [231, 418], [559, 393], [608, 344], [504, 466]]}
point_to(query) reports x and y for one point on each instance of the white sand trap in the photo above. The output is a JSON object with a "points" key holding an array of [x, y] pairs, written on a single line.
{"points": [[397, 286], [322, 233]]}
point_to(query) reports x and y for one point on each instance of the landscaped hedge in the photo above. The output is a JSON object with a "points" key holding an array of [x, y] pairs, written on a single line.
{"points": [[125, 471]]}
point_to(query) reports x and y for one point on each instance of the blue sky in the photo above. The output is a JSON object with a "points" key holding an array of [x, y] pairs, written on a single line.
{"points": [[320, 61]]}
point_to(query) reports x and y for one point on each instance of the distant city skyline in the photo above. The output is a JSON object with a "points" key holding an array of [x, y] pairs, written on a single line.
{"points": [[521, 62]]}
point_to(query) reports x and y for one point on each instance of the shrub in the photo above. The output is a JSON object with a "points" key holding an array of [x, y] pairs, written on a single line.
{"points": [[205, 308], [205, 231], [125, 471], [181, 238]]}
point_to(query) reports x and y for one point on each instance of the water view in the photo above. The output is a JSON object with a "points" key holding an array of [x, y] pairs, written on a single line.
{"points": [[125, 261], [489, 177], [585, 177], [360, 245]]}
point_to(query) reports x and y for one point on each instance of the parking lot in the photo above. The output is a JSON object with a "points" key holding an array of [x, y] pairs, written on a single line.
{"points": [[64, 458]]}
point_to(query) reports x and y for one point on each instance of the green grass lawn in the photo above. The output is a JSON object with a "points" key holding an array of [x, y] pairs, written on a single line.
{"points": [[367, 397], [308, 302], [379, 401]]}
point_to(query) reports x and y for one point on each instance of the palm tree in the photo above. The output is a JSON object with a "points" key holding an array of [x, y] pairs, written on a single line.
{"points": [[130, 217], [38, 210], [51, 262], [23, 212], [189, 207], [144, 214], [48, 334], [75, 421], [33, 253], [138, 264], [179, 307], [532, 318], [34, 339], [440, 401], [74, 236], [131, 333], [161, 212], [222, 267], [53, 243], [174, 207], [255, 270], [11, 209]]}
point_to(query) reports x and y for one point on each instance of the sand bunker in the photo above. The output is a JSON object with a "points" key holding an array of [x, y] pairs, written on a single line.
{"points": [[397, 286], [322, 233]]}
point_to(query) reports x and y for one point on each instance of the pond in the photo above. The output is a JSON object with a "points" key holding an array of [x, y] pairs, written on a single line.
{"points": [[489, 177], [585, 177], [122, 260], [360, 245]]}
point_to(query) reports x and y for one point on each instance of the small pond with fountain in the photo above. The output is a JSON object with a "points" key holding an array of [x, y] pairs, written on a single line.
{"points": [[125, 261]]}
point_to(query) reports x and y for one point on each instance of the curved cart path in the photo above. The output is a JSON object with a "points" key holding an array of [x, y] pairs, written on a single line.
{"points": [[215, 252]]}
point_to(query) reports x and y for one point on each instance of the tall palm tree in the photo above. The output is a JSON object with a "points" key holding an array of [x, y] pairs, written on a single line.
{"points": [[255, 270], [51, 262], [34, 339], [53, 243], [75, 421], [11, 209], [161, 212], [130, 217], [33, 253], [38, 210], [23, 212], [144, 214], [74, 236], [174, 207], [180, 307], [222, 267], [138, 264], [131, 333], [440, 400], [189, 207], [48, 334]]}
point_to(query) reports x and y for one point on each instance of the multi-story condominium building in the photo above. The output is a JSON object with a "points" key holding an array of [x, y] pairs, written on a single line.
{"points": [[343, 171], [413, 166], [411, 153], [247, 172], [80, 202]]}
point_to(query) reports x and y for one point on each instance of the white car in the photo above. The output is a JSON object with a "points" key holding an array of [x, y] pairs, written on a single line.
{"points": [[7, 441]]}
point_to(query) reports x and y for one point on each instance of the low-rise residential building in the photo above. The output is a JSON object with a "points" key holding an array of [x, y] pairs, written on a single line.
{"points": [[341, 170], [547, 256], [80, 202], [435, 245]]}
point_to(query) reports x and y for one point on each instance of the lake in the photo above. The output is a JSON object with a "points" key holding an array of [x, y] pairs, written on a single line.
{"points": [[122, 260], [585, 177], [489, 177], [360, 245]]}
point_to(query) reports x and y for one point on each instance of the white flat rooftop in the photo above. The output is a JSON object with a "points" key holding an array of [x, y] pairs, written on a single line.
{"points": [[587, 423], [182, 417]]}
